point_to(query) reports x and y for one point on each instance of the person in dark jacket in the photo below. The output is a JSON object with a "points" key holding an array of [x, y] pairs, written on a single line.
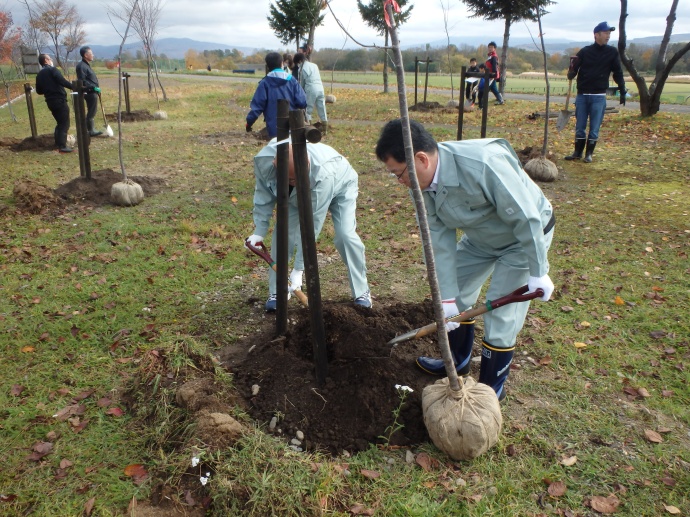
{"points": [[492, 66], [51, 84], [88, 76], [278, 84], [592, 66], [470, 92]]}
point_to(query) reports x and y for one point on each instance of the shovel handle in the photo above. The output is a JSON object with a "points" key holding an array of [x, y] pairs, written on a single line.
{"points": [[519, 295], [262, 252], [567, 97]]}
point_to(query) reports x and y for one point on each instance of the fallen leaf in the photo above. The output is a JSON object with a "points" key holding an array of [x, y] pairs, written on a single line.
{"points": [[16, 390], [83, 395], [28, 349], [424, 461], [580, 345], [585, 324], [605, 504], [663, 430], [672, 509], [103, 402], [64, 464], [88, 507], [7, 498], [40, 449], [619, 301], [653, 436], [667, 393], [115, 411], [668, 481], [567, 308], [188, 498], [359, 509], [136, 471], [557, 489], [569, 462], [68, 411], [643, 392], [545, 361], [371, 474]]}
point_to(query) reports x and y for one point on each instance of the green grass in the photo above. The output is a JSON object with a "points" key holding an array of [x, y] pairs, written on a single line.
{"points": [[134, 302]]}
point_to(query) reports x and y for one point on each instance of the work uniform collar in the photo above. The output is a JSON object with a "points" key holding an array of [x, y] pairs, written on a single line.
{"points": [[434, 182]]}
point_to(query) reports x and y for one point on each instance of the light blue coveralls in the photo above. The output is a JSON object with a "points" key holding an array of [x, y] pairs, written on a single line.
{"points": [[310, 80], [334, 189], [482, 190]]}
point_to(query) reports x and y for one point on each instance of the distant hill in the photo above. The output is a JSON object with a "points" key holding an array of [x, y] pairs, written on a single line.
{"points": [[174, 48]]}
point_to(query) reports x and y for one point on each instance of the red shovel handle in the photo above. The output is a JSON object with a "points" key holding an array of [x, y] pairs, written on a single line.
{"points": [[516, 296], [261, 252]]}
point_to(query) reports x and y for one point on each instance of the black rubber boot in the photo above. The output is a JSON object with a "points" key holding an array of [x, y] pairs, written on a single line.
{"points": [[590, 151], [495, 367], [460, 340], [91, 127], [579, 147]]}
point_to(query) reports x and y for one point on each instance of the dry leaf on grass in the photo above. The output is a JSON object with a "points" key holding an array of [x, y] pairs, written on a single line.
{"points": [[672, 509], [605, 505], [653, 436], [370, 474], [569, 462], [557, 489]]}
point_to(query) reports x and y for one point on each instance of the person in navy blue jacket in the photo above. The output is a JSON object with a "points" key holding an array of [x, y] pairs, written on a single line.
{"points": [[278, 84]]}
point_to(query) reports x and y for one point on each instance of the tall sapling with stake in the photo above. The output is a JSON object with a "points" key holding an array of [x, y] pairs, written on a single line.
{"points": [[126, 192], [463, 419]]}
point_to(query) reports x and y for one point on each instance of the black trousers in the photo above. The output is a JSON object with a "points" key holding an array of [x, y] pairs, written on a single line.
{"points": [[91, 107], [60, 110]]}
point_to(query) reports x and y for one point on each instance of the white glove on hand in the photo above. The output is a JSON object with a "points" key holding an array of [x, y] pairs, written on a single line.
{"points": [[253, 240], [541, 282], [295, 280], [450, 309]]}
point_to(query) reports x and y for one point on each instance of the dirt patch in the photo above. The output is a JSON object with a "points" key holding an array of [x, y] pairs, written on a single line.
{"points": [[96, 191], [527, 154], [355, 406], [9, 141], [132, 116], [35, 198], [229, 138], [40, 143]]}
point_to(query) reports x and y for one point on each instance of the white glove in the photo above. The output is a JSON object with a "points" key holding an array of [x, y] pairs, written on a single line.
{"points": [[295, 280], [450, 309], [541, 282], [253, 240]]}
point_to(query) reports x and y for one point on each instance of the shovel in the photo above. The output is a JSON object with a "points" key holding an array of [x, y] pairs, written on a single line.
{"points": [[565, 115], [108, 129], [263, 253], [516, 296]]}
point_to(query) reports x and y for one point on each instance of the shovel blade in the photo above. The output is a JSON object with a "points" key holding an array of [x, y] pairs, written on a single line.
{"points": [[403, 337], [563, 118]]}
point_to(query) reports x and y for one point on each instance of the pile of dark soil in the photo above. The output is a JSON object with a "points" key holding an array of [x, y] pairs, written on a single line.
{"points": [[96, 191], [132, 116], [426, 106], [34, 198], [40, 143], [355, 406], [9, 141]]}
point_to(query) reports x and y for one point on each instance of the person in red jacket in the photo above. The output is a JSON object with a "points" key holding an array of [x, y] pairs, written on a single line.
{"points": [[492, 66]]}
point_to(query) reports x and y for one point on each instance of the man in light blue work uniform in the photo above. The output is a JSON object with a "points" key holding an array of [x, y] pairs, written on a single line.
{"points": [[310, 80], [334, 189], [479, 187]]}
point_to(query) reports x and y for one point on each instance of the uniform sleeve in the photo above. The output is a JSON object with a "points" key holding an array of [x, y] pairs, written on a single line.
{"points": [[258, 104], [303, 74], [264, 199], [85, 76], [60, 79], [576, 66], [513, 196]]}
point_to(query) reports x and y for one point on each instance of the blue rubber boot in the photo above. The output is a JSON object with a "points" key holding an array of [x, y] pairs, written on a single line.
{"points": [[460, 340], [495, 367]]}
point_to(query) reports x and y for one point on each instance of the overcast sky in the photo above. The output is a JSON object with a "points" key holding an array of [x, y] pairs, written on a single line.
{"points": [[242, 23]]}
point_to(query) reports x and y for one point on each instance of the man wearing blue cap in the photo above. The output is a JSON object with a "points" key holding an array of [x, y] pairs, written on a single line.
{"points": [[592, 66]]}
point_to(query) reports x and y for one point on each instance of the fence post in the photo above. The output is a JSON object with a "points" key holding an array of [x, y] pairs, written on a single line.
{"points": [[30, 107]]}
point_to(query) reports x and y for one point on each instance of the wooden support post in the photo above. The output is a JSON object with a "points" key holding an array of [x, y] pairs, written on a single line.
{"points": [[461, 108], [125, 78], [30, 107], [282, 253], [306, 221], [426, 79], [83, 137]]}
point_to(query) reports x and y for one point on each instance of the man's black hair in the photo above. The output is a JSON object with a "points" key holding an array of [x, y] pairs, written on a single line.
{"points": [[492, 44], [84, 50], [298, 58], [473, 59], [274, 60], [42, 59], [391, 145]]}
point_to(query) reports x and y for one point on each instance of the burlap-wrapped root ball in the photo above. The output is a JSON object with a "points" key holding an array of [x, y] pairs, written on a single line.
{"points": [[71, 141], [160, 115], [463, 424], [541, 169], [453, 104], [126, 193], [468, 107], [330, 99]]}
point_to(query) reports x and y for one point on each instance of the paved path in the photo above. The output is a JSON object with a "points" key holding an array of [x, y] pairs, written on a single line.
{"points": [[629, 105]]}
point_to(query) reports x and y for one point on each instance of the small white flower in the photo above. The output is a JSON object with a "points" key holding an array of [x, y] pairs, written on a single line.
{"points": [[203, 480], [195, 461], [403, 388], [146, 309]]}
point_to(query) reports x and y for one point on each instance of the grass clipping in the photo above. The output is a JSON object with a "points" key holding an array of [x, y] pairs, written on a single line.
{"points": [[464, 424]]}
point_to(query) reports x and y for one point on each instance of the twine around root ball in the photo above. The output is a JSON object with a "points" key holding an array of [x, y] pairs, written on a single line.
{"points": [[330, 99], [126, 193], [160, 115], [541, 169], [464, 424]]}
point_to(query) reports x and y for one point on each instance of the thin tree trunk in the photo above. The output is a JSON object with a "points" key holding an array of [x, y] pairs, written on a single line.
{"points": [[385, 63], [545, 146], [119, 93], [504, 55]]}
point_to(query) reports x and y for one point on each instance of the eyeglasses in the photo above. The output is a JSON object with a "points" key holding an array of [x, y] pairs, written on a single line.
{"points": [[398, 176]]}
